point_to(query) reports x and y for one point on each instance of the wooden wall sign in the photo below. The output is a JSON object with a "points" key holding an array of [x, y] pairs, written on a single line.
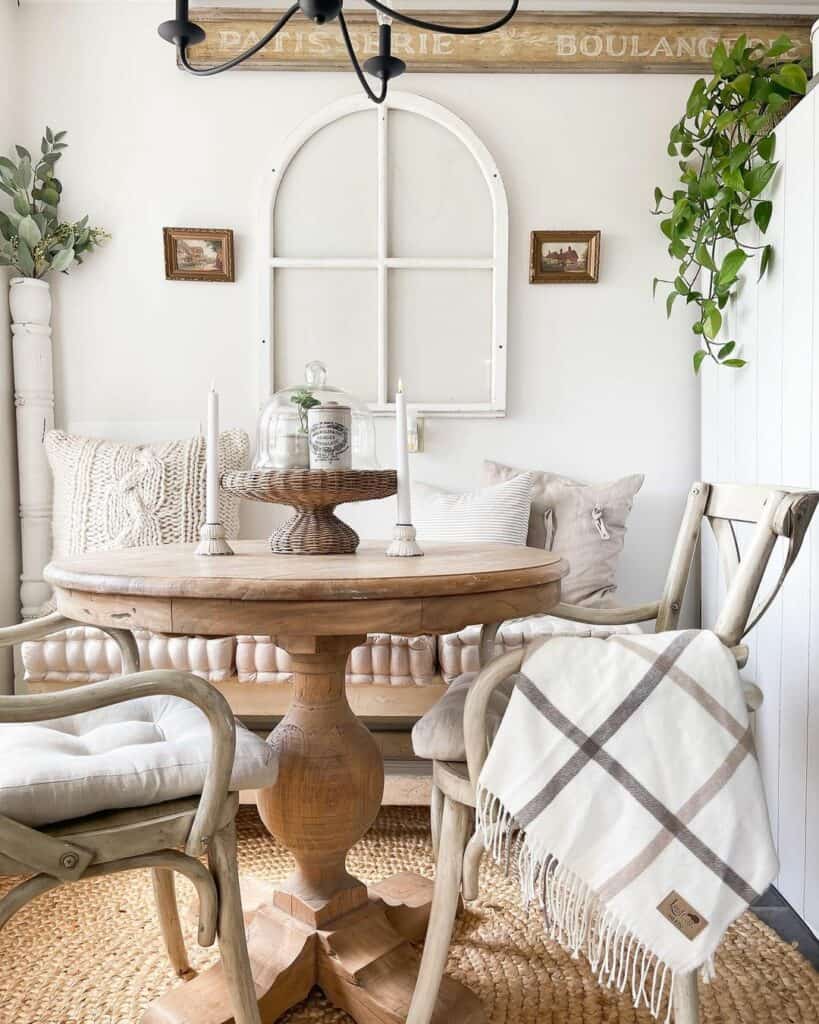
{"points": [[531, 42]]}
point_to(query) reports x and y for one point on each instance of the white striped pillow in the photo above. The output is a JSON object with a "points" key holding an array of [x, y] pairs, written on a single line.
{"points": [[497, 514]]}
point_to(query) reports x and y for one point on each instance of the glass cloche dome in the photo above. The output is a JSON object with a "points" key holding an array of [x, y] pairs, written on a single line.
{"points": [[287, 423]]}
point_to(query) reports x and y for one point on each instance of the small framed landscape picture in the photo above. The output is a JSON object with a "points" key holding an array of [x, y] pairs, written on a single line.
{"points": [[561, 257], [199, 254]]}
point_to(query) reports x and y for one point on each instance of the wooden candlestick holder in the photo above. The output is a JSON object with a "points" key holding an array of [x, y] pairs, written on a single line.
{"points": [[404, 544], [213, 541]]}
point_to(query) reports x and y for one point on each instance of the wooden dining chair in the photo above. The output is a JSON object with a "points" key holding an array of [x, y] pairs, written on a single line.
{"points": [[72, 808], [777, 513]]}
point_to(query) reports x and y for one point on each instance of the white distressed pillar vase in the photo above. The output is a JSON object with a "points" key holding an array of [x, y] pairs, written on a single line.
{"points": [[30, 305]]}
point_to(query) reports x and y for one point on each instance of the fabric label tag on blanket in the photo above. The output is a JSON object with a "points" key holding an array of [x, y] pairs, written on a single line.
{"points": [[682, 915]]}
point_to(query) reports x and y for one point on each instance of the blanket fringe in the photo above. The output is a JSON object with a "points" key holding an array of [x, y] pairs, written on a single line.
{"points": [[574, 916]]}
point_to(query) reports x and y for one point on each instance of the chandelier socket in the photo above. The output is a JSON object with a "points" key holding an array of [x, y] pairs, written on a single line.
{"points": [[320, 11], [181, 33], [384, 66]]}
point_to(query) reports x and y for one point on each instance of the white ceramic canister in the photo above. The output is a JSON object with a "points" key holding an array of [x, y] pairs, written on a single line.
{"points": [[329, 429]]}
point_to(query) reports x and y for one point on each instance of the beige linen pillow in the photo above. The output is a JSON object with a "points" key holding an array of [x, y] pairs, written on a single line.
{"points": [[111, 495], [585, 523]]}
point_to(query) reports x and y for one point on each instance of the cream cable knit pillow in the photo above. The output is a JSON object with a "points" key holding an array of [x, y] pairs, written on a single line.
{"points": [[111, 495]]}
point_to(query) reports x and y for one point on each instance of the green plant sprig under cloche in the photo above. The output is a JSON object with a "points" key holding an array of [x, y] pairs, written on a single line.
{"points": [[304, 400], [727, 146], [33, 239]]}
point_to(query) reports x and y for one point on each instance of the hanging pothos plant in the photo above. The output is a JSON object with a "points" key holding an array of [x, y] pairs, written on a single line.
{"points": [[727, 146]]}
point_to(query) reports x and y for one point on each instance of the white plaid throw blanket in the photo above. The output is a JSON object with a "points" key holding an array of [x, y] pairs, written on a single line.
{"points": [[625, 768]]}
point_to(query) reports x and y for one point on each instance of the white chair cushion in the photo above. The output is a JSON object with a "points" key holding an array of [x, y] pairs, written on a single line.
{"points": [[439, 734], [134, 754]]}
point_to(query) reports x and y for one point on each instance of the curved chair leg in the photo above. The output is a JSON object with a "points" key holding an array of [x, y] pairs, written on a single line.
{"points": [[232, 939], [472, 866], [168, 913], [436, 813], [454, 832], [686, 999]]}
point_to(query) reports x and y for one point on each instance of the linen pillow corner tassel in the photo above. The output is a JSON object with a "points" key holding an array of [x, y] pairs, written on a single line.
{"points": [[624, 776]]}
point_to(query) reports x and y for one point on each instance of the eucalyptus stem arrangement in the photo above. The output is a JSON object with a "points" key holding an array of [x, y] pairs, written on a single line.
{"points": [[33, 239], [727, 145]]}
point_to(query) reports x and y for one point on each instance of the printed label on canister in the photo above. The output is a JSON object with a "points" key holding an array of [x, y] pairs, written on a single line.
{"points": [[329, 433]]}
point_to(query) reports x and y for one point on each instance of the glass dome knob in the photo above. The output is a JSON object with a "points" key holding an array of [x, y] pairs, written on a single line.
{"points": [[315, 373]]}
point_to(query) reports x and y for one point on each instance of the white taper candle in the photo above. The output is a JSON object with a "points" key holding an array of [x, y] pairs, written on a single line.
{"points": [[212, 479], [402, 458]]}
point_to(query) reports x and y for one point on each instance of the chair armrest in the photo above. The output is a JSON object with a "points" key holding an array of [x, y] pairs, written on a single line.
{"points": [[607, 616], [475, 735], [45, 706], [39, 629]]}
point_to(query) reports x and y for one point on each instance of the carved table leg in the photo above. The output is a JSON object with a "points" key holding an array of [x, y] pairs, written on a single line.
{"points": [[321, 925]]}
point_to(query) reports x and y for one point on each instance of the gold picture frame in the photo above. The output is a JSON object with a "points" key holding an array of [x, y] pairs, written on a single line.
{"points": [[199, 254], [564, 257]]}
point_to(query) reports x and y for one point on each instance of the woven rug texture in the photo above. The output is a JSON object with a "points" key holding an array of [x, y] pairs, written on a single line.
{"points": [[91, 953]]}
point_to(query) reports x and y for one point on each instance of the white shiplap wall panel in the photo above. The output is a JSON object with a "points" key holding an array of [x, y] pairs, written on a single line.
{"points": [[773, 418], [767, 439], [709, 432], [797, 341], [744, 324], [811, 904]]}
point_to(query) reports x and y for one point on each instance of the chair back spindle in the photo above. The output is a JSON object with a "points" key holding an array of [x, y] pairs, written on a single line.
{"points": [[775, 513]]}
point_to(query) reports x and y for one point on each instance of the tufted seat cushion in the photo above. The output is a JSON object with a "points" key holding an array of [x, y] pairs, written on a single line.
{"points": [[134, 754], [439, 734]]}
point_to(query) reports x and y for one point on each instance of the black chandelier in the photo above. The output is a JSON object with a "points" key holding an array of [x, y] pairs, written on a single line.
{"points": [[182, 32]]}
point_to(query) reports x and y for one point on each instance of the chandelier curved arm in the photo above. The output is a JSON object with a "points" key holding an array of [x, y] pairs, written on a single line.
{"points": [[430, 26], [375, 97], [228, 64]]}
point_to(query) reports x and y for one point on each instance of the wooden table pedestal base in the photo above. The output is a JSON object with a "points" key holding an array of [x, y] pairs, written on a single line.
{"points": [[363, 961], [322, 926]]}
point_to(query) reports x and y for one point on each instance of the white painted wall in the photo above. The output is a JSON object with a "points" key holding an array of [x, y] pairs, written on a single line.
{"points": [[9, 529], [599, 384], [760, 425]]}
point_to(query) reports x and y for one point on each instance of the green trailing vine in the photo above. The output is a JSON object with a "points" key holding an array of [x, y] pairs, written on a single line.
{"points": [[727, 147]]}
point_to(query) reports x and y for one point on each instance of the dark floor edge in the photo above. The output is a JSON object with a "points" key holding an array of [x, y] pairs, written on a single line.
{"points": [[778, 914]]}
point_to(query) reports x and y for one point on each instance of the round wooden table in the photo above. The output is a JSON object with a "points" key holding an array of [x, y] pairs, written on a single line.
{"points": [[321, 926]]}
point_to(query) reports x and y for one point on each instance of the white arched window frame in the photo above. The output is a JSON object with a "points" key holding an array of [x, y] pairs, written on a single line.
{"points": [[382, 263]]}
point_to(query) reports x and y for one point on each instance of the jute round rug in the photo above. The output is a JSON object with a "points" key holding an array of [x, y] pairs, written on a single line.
{"points": [[91, 953]]}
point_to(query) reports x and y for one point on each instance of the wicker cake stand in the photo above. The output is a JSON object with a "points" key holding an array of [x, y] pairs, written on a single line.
{"points": [[313, 529]]}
